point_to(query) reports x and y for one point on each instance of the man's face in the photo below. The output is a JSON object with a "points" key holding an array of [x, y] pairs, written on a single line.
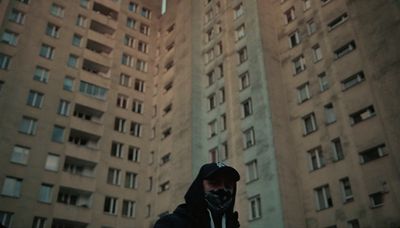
{"points": [[218, 181]]}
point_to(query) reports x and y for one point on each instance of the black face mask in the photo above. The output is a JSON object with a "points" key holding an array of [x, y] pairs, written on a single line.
{"points": [[220, 200]]}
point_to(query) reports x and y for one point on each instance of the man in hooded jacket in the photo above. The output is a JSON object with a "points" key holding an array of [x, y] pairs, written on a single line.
{"points": [[209, 201]]}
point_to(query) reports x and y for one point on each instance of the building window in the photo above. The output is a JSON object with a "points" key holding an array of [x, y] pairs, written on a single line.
{"points": [[132, 6], [129, 41], [46, 51], [254, 208], [337, 149], [81, 21], [139, 85], [20, 155], [249, 138], [376, 199], [299, 64], [68, 84], [137, 106], [362, 115], [337, 21], [330, 116], [311, 27], [92, 90], [52, 162], [317, 53], [122, 101], [4, 61], [53, 30], [9, 38], [35, 99], [214, 156], [221, 93], [72, 61], [63, 108], [164, 187], [136, 129], [127, 60], [12, 187], [45, 193], [238, 11], [110, 205], [166, 158], [77, 40], [16, 16], [133, 154], [240, 32], [169, 65], [353, 80], [58, 134], [150, 184], [373, 153], [28, 125], [223, 122], [315, 159], [130, 180], [24, 1], [41, 74], [309, 123], [303, 93], [119, 124], [128, 208], [345, 49], [252, 171], [144, 29], [117, 149], [247, 108], [212, 129], [242, 55], [289, 15], [84, 3], [130, 23], [1, 85], [113, 176], [124, 80], [143, 46], [145, 13], [345, 187], [224, 152], [212, 103], [306, 4], [57, 10], [211, 77], [39, 222], [353, 223], [323, 198], [323, 81], [167, 132], [294, 39], [141, 65]]}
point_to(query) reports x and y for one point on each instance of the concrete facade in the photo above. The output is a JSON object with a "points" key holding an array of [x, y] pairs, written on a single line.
{"points": [[129, 101]]}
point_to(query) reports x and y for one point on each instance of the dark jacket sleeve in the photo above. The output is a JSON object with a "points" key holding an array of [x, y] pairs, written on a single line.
{"points": [[171, 221], [164, 222]]}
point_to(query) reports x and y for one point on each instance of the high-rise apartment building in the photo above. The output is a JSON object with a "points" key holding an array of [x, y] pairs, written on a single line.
{"points": [[108, 108]]}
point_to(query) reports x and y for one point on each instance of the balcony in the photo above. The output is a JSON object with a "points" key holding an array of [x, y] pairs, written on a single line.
{"points": [[101, 38], [57, 222], [81, 153], [106, 11], [92, 67], [81, 137], [91, 102], [102, 29], [77, 180]]}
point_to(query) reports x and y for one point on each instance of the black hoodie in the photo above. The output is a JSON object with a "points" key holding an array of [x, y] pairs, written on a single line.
{"points": [[193, 213]]}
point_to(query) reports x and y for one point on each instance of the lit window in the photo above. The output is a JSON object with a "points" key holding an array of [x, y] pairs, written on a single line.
{"points": [[289, 15], [353, 80], [252, 171], [20, 155], [299, 64], [58, 134], [249, 138], [128, 208], [373, 153], [45, 193], [362, 115], [337, 149], [41, 74], [347, 193], [57, 10], [330, 116], [9, 37], [16, 16], [323, 197], [53, 30], [254, 208], [110, 205], [12, 187], [317, 53], [4, 61], [309, 123], [28, 126], [130, 180], [315, 159], [345, 49], [294, 39], [323, 81], [35, 99], [52, 162], [46, 51], [303, 93], [113, 176]]}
